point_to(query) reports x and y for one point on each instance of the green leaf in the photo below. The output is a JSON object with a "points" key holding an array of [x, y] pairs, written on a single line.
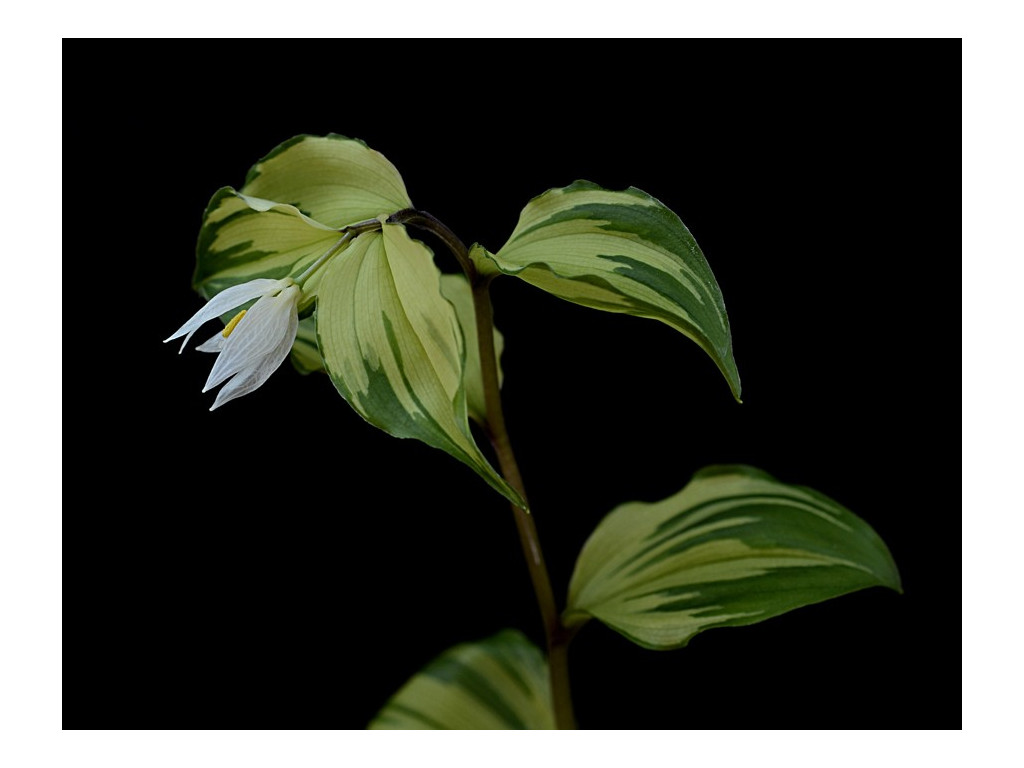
{"points": [[497, 684], [456, 289], [305, 353], [734, 547], [333, 179], [290, 209], [393, 346], [243, 238], [620, 251]]}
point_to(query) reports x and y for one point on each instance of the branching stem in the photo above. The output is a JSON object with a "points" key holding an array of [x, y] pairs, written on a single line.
{"points": [[557, 635]]}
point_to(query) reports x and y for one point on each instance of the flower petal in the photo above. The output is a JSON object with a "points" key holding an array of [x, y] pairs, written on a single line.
{"points": [[257, 335], [227, 299], [247, 380], [214, 344]]}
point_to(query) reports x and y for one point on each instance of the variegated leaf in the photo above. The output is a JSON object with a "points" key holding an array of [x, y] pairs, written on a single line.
{"points": [[456, 289], [393, 346], [497, 684], [333, 179], [243, 238], [620, 251], [734, 547], [290, 210]]}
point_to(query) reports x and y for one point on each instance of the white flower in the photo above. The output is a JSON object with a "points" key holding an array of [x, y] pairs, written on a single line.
{"points": [[256, 341]]}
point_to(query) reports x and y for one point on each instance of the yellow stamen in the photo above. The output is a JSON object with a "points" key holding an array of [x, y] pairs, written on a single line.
{"points": [[232, 323]]}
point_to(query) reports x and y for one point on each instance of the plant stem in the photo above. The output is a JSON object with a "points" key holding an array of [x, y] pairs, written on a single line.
{"points": [[557, 635]]}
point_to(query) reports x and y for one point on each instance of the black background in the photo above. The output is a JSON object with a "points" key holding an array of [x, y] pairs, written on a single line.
{"points": [[279, 563]]}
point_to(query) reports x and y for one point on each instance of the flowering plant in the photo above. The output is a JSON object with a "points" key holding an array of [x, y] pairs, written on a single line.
{"points": [[313, 259]]}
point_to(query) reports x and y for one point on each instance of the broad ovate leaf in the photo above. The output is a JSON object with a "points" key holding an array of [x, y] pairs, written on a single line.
{"points": [[243, 238], [393, 346], [456, 289], [620, 251], [500, 683], [291, 209], [336, 180], [733, 547]]}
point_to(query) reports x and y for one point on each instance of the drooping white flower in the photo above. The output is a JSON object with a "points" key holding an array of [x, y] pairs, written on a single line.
{"points": [[256, 341]]}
